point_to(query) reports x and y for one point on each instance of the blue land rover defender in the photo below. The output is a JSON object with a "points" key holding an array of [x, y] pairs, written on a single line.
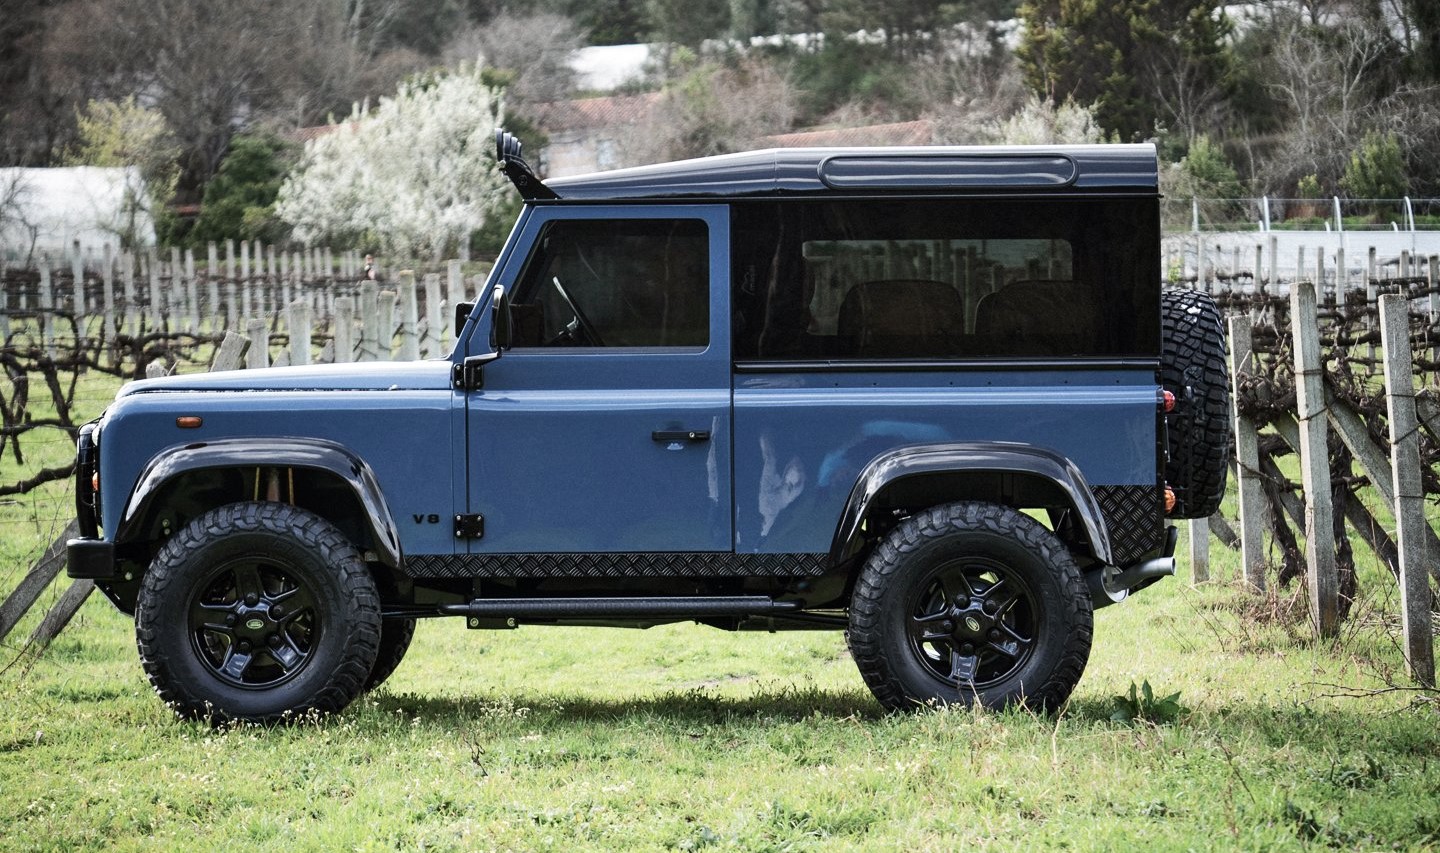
{"points": [[933, 397]]}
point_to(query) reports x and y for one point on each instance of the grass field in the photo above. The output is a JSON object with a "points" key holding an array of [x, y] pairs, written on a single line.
{"points": [[686, 737]]}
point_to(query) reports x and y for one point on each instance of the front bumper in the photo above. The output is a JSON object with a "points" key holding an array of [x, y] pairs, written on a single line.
{"points": [[90, 558]]}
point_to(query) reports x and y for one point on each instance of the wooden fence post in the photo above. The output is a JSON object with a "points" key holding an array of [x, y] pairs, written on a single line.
{"points": [[24, 596], [259, 353], [299, 323], [1199, 549], [1409, 489], [370, 321], [47, 309], [1322, 569], [344, 329], [385, 314], [409, 318], [1247, 461], [434, 318]]}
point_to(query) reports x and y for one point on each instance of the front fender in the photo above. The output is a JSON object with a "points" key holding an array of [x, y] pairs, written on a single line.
{"points": [[968, 458], [267, 452]]}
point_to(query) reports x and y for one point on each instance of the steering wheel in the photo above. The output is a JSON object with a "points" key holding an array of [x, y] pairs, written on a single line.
{"points": [[580, 330]]}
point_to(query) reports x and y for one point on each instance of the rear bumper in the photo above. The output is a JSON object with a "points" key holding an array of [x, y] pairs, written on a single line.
{"points": [[90, 558]]}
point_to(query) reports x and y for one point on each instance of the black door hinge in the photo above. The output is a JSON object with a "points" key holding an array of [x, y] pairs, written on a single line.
{"points": [[470, 526], [469, 374]]}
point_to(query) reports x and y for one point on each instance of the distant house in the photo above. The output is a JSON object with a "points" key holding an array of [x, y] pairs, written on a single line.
{"points": [[585, 135], [50, 210], [921, 132]]}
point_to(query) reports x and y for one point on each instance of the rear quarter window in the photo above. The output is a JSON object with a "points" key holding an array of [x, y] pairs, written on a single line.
{"points": [[946, 279]]}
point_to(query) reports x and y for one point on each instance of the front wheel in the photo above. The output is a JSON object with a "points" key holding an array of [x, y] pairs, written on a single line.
{"points": [[970, 603], [257, 611]]}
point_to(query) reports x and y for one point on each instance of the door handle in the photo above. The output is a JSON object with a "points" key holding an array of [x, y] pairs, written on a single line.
{"points": [[668, 435]]}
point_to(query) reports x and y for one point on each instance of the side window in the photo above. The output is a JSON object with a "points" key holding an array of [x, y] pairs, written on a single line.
{"points": [[938, 279], [616, 283]]}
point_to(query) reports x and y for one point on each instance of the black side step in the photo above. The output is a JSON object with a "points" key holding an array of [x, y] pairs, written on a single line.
{"points": [[605, 608]]}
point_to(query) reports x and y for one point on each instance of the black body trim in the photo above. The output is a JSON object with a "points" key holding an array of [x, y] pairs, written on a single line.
{"points": [[607, 608], [894, 366], [702, 564], [268, 452], [970, 457]]}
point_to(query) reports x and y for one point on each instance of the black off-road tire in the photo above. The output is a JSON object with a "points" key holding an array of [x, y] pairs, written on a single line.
{"points": [[970, 603], [395, 636], [257, 612], [1192, 366]]}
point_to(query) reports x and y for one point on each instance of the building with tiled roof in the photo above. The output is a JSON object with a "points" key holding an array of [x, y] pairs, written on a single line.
{"points": [[921, 132]]}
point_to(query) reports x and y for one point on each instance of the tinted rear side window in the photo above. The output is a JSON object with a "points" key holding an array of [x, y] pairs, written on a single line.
{"points": [[938, 279]]}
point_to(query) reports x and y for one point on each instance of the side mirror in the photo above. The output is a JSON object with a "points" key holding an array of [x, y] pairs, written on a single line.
{"points": [[503, 327], [462, 313]]}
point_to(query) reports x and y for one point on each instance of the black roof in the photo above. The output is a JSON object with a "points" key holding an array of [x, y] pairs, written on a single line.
{"points": [[907, 170]]}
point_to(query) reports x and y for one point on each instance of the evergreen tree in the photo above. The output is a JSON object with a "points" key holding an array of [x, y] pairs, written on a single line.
{"points": [[1128, 58]]}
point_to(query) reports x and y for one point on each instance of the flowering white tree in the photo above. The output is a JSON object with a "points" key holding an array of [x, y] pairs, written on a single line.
{"points": [[415, 176]]}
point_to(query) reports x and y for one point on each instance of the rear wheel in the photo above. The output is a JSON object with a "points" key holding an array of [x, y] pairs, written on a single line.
{"points": [[970, 602], [257, 611]]}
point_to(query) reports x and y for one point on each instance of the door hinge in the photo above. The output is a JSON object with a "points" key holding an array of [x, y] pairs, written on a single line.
{"points": [[469, 374], [470, 526]]}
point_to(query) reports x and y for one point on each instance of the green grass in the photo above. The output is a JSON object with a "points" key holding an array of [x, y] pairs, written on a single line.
{"points": [[685, 737]]}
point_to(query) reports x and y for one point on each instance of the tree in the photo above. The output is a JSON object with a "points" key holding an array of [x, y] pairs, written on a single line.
{"points": [[1129, 58], [122, 134], [535, 48], [1376, 168], [1044, 123], [415, 176], [214, 67], [240, 200], [1208, 171]]}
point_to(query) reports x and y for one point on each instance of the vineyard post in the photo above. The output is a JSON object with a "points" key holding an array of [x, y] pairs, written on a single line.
{"points": [[192, 293], [1409, 488], [1371, 300], [1405, 265], [409, 318], [1199, 530], [258, 355], [107, 295], [1256, 281], [77, 282], [455, 288], [1247, 461], [1342, 277], [385, 309], [47, 308], [1434, 304], [434, 316], [299, 323], [1323, 287], [1320, 559], [369, 321], [1200, 272], [128, 321], [152, 314], [230, 258], [344, 331], [245, 259]]}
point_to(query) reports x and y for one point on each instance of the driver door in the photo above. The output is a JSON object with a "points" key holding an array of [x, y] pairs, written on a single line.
{"points": [[605, 428]]}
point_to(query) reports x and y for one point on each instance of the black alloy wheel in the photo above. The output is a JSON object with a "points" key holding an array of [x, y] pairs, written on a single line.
{"points": [[260, 612], [970, 603]]}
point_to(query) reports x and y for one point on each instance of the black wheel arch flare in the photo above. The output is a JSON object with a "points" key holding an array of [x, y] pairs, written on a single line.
{"points": [[969, 463], [265, 452]]}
